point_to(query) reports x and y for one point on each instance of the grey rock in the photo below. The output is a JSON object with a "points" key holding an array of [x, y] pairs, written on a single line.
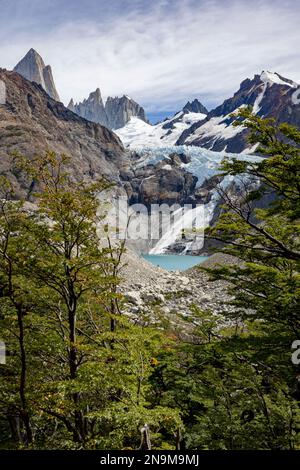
{"points": [[120, 110], [91, 108], [114, 114], [166, 186], [153, 297], [133, 297]]}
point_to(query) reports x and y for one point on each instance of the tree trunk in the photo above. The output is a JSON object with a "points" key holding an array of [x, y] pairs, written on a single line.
{"points": [[24, 414]]}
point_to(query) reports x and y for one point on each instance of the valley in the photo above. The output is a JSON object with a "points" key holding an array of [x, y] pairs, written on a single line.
{"points": [[149, 274]]}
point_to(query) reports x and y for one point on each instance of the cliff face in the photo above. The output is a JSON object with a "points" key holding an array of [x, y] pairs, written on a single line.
{"points": [[120, 110], [31, 122], [34, 69]]}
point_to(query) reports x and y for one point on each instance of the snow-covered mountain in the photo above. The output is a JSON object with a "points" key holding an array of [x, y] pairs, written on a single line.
{"points": [[137, 133], [270, 95]]}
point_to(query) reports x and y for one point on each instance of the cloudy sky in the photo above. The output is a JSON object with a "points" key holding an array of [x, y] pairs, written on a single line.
{"points": [[160, 52]]}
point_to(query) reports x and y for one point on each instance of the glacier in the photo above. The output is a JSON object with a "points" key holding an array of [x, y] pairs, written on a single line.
{"points": [[203, 164]]}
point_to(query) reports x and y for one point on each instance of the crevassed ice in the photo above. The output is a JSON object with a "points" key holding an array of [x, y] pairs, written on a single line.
{"points": [[204, 163]]}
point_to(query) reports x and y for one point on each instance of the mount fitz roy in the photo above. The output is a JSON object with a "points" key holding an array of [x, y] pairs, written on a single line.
{"points": [[34, 69]]}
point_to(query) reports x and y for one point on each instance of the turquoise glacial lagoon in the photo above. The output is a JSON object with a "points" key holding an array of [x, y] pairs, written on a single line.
{"points": [[175, 262]]}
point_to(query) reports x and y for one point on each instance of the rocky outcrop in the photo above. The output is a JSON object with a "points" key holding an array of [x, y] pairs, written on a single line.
{"points": [[165, 182], [31, 122], [167, 185], [270, 95], [114, 115], [34, 69]]}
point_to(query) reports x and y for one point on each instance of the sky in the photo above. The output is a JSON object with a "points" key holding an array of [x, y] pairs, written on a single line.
{"points": [[161, 53]]}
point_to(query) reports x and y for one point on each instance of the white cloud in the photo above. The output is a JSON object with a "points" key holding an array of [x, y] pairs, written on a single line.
{"points": [[168, 53]]}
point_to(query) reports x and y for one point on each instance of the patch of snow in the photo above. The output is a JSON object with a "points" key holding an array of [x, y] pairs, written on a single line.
{"points": [[137, 131], [167, 167], [250, 150], [216, 127], [256, 106], [271, 78]]}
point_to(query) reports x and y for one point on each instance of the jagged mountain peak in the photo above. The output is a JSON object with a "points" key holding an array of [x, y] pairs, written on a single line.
{"points": [[195, 106], [91, 108], [96, 93], [71, 105], [33, 68], [95, 97], [115, 114], [120, 110]]}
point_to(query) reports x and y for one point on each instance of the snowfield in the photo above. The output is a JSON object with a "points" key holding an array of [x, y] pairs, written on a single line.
{"points": [[271, 78], [216, 127], [138, 133]]}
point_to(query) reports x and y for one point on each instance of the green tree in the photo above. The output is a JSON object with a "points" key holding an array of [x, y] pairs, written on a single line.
{"points": [[88, 364], [16, 309], [235, 385]]}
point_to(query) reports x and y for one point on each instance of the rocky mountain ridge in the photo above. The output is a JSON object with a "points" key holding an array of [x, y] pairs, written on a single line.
{"points": [[269, 94], [32, 122], [115, 113]]}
